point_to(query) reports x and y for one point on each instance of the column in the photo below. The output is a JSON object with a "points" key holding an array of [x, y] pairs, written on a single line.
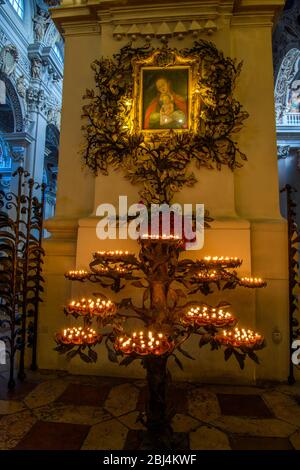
{"points": [[75, 186], [256, 184], [34, 162]]}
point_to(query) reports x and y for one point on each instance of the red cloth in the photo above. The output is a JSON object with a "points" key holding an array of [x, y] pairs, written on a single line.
{"points": [[153, 107]]}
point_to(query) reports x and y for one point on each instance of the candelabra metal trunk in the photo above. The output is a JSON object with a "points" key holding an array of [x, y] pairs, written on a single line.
{"points": [[158, 420], [159, 430]]}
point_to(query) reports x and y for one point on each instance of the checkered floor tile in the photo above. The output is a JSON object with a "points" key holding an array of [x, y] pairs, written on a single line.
{"points": [[62, 412]]}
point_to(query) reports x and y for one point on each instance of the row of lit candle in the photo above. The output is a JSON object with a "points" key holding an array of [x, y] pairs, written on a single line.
{"points": [[208, 316], [164, 236], [77, 275], [252, 282], [78, 336], [102, 269], [240, 337], [244, 281], [112, 254], [143, 343], [105, 269], [208, 276], [120, 269], [90, 307], [222, 261]]}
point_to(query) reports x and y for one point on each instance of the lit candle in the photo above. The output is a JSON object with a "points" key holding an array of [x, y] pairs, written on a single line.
{"points": [[156, 343], [78, 336], [111, 253], [80, 275], [222, 261], [163, 237], [208, 276], [205, 315], [240, 337], [252, 282], [88, 307]]}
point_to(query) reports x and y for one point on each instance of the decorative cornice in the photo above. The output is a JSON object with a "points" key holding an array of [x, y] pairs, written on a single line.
{"points": [[71, 13], [141, 13], [165, 29], [18, 138], [288, 136], [256, 5], [131, 19], [256, 12], [250, 19], [81, 28], [62, 228]]}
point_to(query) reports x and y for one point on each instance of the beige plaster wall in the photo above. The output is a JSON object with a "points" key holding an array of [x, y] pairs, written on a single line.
{"points": [[244, 204]]}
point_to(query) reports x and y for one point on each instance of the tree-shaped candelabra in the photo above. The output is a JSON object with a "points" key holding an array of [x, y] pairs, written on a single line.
{"points": [[168, 318]]}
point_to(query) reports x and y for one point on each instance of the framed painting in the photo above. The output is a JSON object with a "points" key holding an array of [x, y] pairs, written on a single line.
{"points": [[165, 93], [164, 98]]}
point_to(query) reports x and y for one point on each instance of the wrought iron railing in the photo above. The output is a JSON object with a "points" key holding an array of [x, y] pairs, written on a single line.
{"points": [[21, 253], [293, 256]]}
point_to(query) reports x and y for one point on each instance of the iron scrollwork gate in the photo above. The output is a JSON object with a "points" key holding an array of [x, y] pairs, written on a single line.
{"points": [[21, 258]]}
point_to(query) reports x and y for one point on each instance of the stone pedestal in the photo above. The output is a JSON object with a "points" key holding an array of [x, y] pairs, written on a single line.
{"points": [[244, 204]]}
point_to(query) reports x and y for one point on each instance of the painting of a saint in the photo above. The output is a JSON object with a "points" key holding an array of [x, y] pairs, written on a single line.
{"points": [[165, 98]]}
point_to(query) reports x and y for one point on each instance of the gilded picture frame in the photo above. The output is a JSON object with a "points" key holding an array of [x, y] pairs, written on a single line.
{"points": [[165, 93]]}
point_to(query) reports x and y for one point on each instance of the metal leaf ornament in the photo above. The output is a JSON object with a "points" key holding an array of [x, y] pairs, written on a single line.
{"points": [[161, 163]]}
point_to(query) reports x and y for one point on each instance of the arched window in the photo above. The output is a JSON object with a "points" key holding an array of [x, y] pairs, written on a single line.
{"points": [[18, 6]]}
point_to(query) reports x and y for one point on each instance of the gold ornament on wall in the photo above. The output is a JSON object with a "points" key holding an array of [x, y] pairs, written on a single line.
{"points": [[154, 111]]}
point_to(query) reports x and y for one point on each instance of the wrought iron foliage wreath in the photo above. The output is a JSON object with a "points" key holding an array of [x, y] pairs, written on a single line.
{"points": [[160, 164]]}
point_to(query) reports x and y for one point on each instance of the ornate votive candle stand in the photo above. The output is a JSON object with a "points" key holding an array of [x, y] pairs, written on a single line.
{"points": [[143, 344], [240, 338], [78, 336], [205, 315], [221, 261], [98, 307], [252, 282], [77, 275]]}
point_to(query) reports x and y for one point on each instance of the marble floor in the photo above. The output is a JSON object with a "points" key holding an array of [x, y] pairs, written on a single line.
{"points": [[52, 411]]}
